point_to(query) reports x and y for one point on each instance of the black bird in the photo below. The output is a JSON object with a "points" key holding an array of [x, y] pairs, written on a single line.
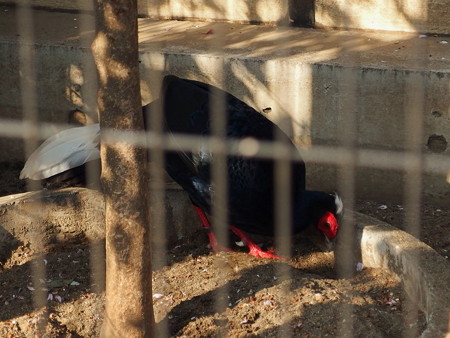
{"points": [[187, 108]]}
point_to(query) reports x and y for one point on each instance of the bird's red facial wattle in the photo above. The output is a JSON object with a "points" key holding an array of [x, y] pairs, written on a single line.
{"points": [[328, 224]]}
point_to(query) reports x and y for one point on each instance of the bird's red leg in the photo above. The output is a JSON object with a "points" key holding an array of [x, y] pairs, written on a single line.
{"points": [[212, 238], [254, 249]]}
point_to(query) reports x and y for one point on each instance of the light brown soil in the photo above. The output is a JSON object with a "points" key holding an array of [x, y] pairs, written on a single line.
{"points": [[200, 294]]}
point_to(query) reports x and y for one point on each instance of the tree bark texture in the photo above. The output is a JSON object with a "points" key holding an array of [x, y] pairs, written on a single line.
{"points": [[128, 309]]}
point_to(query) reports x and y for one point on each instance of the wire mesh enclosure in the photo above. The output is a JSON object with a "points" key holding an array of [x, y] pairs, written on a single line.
{"points": [[235, 111]]}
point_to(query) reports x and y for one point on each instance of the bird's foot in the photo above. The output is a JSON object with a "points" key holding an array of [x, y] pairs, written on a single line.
{"points": [[215, 246], [257, 252], [254, 249]]}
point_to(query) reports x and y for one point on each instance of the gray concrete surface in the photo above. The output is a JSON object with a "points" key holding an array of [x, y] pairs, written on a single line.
{"points": [[424, 273], [42, 218]]}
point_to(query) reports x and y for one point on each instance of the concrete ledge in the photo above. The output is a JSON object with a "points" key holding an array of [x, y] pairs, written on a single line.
{"points": [[43, 218], [424, 273], [40, 218]]}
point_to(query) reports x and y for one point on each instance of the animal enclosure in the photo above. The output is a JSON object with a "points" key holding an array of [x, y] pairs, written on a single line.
{"points": [[368, 113]]}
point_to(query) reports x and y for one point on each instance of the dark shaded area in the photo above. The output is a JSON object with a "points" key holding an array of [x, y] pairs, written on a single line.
{"points": [[437, 143], [68, 275], [301, 13], [8, 244]]}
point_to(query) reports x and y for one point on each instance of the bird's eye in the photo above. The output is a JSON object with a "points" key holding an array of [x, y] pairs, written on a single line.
{"points": [[324, 226]]}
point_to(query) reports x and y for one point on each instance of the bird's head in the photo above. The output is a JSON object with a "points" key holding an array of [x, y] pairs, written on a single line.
{"points": [[326, 218]]}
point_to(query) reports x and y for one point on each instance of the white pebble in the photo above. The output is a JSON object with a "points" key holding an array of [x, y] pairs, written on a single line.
{"points": [[359, 266]]}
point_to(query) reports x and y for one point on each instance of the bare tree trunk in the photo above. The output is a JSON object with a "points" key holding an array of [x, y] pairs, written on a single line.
{"points": [[128, 311]]}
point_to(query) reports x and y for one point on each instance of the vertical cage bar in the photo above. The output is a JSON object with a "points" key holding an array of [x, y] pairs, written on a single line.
{"points": [[283, 221], [347, 125], [31, 126], [414, 102], [414, 105], [282, 174], [92, 171], [219, 168], [157, 186], [282, 193]]}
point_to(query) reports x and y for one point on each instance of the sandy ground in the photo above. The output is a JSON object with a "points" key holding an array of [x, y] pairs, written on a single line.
{"points": [[200, 294]]}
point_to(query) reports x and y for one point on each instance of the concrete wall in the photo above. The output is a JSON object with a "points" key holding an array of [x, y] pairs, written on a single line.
{"points": [[310, 79], [268, 11], [432, 16]]}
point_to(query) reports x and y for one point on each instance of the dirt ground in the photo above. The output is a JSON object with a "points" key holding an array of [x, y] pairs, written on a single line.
{"points": [[200, 294]]}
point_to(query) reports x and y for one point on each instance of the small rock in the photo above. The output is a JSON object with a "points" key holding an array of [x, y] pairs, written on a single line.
{"points": [[319, 297], [359, 266]]}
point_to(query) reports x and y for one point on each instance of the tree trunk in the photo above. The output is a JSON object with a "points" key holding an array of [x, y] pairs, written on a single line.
{"points": [[128, 310]]}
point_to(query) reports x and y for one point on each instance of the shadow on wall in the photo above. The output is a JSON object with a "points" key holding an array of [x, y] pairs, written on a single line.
{"points": [[396, 15], [299, 13], [412, 16]]}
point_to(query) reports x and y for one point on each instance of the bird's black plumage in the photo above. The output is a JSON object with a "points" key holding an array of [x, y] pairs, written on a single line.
{"points": [[187, 107]]}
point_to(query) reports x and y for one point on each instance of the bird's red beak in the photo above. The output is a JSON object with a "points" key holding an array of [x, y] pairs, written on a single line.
{"points": [[328, 224]]}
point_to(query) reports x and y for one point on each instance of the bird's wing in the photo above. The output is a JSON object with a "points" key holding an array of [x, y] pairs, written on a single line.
{"points": [[66, 150]]}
